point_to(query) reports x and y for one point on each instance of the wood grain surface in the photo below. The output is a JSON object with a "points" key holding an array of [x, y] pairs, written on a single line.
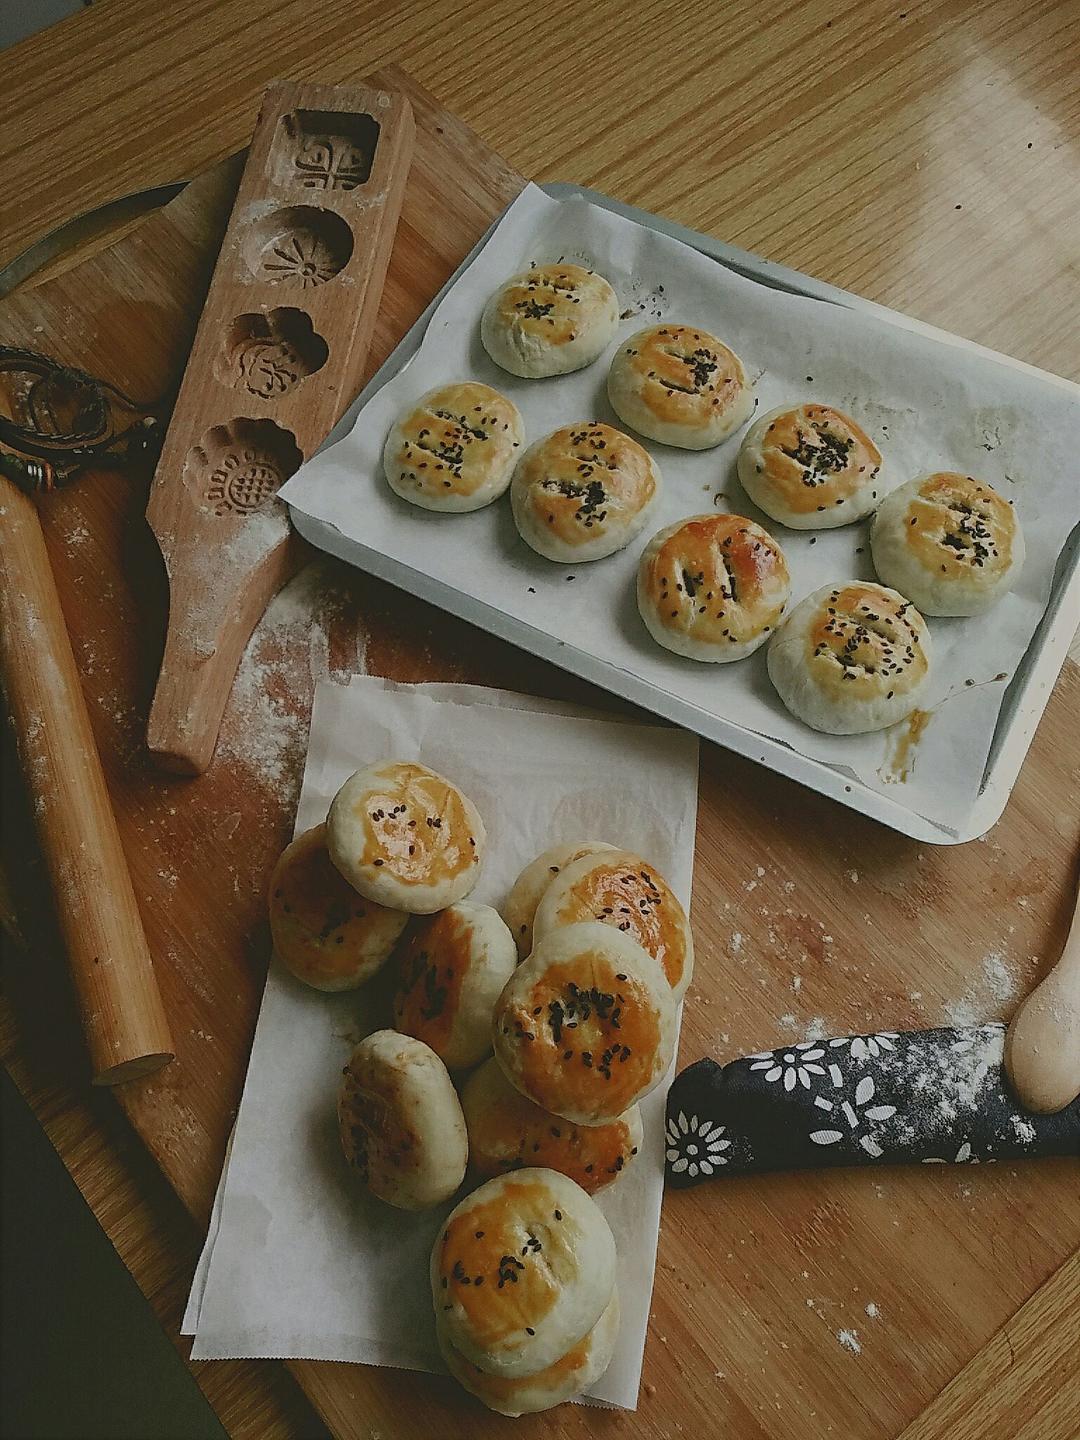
{"points": [[874, 929]]}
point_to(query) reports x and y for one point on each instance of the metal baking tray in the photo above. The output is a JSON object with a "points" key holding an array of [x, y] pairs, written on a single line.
{"points": [[1024, 699]]}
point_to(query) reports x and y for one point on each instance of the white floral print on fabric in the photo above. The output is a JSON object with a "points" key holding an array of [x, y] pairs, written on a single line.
{"points": [[794, 1066], [963, 1156], [695, 1145], [867, 1047], [856, 1116]]}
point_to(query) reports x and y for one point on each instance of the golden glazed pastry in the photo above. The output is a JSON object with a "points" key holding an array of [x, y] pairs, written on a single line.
{"points": [[405, 837], [811, 467], [521, 1272], [583, 492], [680, 386], [571, 1374], [549, 320], [530, 885], [620, 889], [507, 1132], [400, 1122], [851, 658], [325, 933], [949, 542], [712, 587], [452, 968], [456, 448], [586, 1025]]}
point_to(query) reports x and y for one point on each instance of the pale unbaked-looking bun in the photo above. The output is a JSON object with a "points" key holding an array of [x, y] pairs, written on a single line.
{"points": [[400, 1121], [549, 320], [712, 587], [949, 542], [583, 492], [680, 386], [521, 903], [405, 837], [325, 933], [522, 1270], [811, 467], [570, 1375], [623, 890], [508, 1131], [453, 967], [586, 1025], [851, 658], [455, 450]]}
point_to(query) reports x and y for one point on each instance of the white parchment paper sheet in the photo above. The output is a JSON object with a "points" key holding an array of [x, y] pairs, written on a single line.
{"points": [[300, 1262], [928, 404]]}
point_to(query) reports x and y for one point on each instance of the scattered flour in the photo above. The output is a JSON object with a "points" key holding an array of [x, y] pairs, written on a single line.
{"points": [[736, 942], [796, 983], [816, 1029], [849, 1339], [789, 887], [1000, 980], [853, 876], [873, 1311], [1023, 1129], [264, 730], [760, 872]]}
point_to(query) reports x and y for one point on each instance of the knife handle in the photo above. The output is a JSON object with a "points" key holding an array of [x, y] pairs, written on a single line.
{"points": [[921, 1096]]}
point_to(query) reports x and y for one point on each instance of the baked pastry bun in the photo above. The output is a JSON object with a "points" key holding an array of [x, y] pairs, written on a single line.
{"points": [[851, 658], [680, 386], [949, 542], [453, 967], [507, 1132], [456, 448], [400, 1121], [521, 1272], [405, 837], [811, 467], [622, 890], [549, 320], [586, 1025], [712, 587], [521, 903], [325, 933], [572, 1373], [583, 492]]}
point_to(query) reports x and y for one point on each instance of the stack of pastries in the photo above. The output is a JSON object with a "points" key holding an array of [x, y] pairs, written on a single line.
{"points": [[519, 1048], [850, 658]]}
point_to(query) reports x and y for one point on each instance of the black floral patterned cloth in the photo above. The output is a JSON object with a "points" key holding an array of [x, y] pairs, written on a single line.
{"points": [[929, 1096]]}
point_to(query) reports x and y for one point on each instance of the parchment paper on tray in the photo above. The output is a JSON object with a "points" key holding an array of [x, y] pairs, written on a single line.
{"points": [[300, 1261], [929, 405]]}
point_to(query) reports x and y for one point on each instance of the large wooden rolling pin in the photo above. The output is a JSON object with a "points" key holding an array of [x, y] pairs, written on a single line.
{"points": [[122, 1014]]}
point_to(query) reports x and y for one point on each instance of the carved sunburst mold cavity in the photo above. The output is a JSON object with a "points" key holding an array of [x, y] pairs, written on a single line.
{"points": [[299, 246]]}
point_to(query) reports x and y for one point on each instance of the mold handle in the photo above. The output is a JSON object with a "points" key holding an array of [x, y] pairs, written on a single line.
{"points": [[203, 648]]}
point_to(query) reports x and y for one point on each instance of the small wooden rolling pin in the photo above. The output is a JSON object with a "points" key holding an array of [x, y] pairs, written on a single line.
{"points": [[1042, 1047], [122, 1014]]}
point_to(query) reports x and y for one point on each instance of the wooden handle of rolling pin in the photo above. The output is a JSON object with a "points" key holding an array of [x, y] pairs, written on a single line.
{"points": [[122, 1014], [1042, 1047]]}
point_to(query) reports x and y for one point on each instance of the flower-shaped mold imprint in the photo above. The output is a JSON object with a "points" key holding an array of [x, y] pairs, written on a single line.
{"points": [[268, 355], [299, 246], [236, 468]]}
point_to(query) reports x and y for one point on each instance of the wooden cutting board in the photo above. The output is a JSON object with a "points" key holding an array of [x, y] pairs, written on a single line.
{"points": [[809, 1305]]}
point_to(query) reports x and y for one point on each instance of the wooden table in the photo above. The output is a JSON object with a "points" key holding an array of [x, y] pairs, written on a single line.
{"points": [[867, 144]]}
